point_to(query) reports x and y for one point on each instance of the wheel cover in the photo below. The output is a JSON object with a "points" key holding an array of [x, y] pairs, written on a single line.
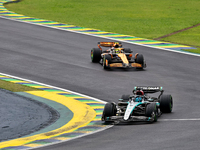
{"points": [[170, 106], [155, 112], [92, 55], [104, 62]]}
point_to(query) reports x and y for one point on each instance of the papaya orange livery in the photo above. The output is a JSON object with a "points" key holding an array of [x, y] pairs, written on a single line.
{"points": [[114, 56]]}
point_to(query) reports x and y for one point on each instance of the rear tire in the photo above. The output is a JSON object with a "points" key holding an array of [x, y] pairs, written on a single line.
{"points": [[109, 110], [127, 50], [151, 109], [95, 55], [166, 103], [140, 60], [125, 98]]}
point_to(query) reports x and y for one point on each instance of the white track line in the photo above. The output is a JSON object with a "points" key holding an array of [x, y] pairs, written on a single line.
{"points": [[187, 53], [175, 51], [107, 127], [104, 128], [191, 119], [53, 87]]}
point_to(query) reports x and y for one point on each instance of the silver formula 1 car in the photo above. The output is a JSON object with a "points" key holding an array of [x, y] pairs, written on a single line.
{"points": [[139, 106]]}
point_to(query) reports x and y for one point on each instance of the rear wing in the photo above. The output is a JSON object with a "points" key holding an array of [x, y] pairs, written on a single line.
{"points": [[109, 44], [149, 89]]}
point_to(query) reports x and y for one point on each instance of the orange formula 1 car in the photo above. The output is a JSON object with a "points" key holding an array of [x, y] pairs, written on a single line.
{"points": [[116, 56]]}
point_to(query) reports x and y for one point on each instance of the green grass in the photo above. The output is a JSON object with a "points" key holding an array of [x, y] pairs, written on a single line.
{"points": [[142, 18], [15, 87], [189, 37], [197, 50]]}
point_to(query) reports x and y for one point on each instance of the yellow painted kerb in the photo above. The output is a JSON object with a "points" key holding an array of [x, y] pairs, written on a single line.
{"points": [[83, 114]]}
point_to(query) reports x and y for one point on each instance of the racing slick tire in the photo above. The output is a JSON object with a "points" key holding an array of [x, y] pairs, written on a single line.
{"points": [[127, 50], [125, 98], [140, 60], [95, 55], [166, 103], [106, 58], [109, 110], [152, 110]]}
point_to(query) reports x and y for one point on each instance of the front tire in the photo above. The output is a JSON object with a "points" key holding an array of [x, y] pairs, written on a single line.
{"points": [[95, 55], [109, 110], [152, 111], [166, 103]]}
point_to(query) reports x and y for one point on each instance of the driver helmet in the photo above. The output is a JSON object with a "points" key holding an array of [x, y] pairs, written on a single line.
{"points": [[116, 45], [139, 92]]}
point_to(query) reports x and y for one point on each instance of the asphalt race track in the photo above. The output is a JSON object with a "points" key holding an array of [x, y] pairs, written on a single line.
{"points": [[62, 59], [21, 116]]}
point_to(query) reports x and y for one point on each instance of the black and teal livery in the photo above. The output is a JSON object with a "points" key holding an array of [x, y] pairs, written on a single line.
{"points": [[139, 106]]}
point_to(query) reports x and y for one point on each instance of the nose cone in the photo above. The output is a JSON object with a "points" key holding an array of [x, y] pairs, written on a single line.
{"points": [[126, 65]]}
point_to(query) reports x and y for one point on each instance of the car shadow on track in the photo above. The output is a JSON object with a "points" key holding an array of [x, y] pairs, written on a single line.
{"points": [[128, 123], [133, 123], [125, 69]]}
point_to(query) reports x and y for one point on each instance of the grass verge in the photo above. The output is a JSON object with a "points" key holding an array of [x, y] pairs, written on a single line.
{"points": [[189, 37], [144, 18], [15, 87]]}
